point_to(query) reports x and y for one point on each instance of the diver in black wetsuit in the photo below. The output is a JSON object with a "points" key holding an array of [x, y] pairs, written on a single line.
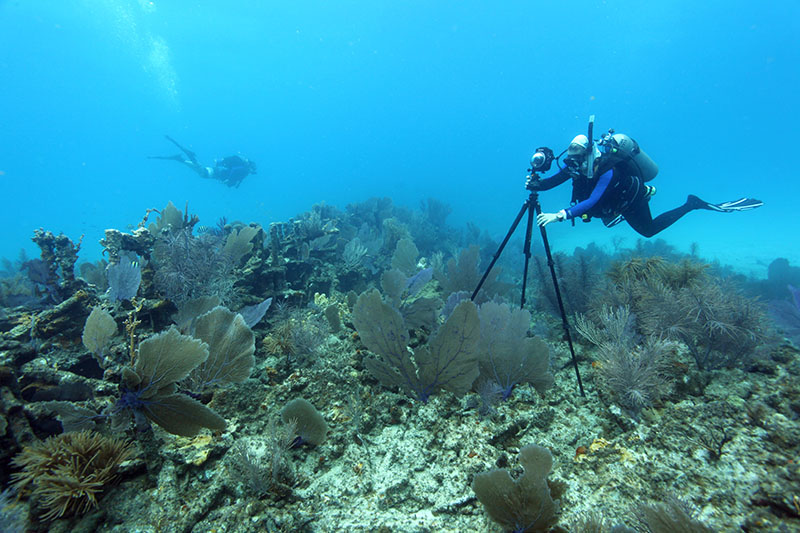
{"points": [[617, 191], [230, 170]]}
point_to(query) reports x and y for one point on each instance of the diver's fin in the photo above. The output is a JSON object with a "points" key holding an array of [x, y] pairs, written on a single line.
{"points": [[742, 204], [192, 156], [176, 157]]}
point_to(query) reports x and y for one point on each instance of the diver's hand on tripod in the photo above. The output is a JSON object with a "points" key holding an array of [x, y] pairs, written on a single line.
{"points": [[545, 218], [533, 182]]}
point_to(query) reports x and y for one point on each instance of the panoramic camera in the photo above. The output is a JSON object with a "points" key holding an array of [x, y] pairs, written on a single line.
{"points": [[542, 159]]}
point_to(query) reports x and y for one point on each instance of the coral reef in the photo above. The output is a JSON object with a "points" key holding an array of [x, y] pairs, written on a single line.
{"points": [[330, 373], [59, 255]]}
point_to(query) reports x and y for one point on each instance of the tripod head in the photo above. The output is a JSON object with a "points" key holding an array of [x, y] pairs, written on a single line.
{"points": [[533, 184]]}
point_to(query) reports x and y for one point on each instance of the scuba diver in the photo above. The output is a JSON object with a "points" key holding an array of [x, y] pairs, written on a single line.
{"points": [[608, 182], [230, 170]]}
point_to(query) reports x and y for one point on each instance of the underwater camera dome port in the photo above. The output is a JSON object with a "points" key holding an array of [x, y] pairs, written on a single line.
{"points": [[541, 160]]}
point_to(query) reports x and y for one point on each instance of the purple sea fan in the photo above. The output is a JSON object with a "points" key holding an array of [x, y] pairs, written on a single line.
{"points": [[150, 386], [124, 278], [449, 360], [508, 356], [415, 283]]}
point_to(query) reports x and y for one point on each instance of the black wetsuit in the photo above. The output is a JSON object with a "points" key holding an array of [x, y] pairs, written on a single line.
{"points": [[231, 170], [615, 189]]}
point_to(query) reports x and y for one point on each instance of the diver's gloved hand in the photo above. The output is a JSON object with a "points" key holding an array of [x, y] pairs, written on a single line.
{"points": [[545, 218], [533, 182]]}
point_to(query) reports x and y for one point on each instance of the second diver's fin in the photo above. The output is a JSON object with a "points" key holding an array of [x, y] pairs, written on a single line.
{"points": [[176, 157], [742, 204], [192, 156]]}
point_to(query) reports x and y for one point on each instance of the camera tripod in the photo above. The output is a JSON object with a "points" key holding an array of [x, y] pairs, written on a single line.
{"points": [[532, 208]]}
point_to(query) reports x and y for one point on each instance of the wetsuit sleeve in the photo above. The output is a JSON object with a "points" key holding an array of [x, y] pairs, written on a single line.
{"points": [[598, 191], [545, 184]]}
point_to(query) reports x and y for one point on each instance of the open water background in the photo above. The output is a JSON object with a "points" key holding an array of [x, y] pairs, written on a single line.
{"points": [[339, 101]]}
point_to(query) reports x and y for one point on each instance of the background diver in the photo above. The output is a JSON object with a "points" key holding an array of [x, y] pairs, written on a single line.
{"points": [[230, 170], [615, 189]]}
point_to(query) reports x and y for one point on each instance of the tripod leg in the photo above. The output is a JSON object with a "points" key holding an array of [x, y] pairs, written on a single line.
{"points": [[526, 250], [564, 321], [525, 207]]}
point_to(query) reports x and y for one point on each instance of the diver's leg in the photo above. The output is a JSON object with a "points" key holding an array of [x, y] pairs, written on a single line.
{"points": [[206, 172], [191, 155], [199, 169], [641, 220]]}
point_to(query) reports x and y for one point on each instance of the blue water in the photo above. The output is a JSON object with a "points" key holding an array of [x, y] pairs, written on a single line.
{"points": [[340, 101]]}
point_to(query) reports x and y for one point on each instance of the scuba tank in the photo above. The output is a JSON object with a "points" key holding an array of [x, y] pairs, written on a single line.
{"points": [[627, 148]]}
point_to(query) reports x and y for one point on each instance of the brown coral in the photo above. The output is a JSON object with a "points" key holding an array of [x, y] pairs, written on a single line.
{"points": [[69, 471], [280, 341]]}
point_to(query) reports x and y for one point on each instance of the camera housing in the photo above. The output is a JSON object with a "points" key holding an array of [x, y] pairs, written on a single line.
{"points": [[542, 159]]}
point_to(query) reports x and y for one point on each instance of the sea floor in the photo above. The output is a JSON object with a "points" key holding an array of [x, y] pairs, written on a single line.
{"points": [[406, 466], [725, 442]]}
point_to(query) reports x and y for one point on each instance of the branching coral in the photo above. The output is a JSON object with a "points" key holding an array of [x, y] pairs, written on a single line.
{"points": [[298, 337], [718, 324], [634, 374], [280, 341], [59, 255], [189, 267]]}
